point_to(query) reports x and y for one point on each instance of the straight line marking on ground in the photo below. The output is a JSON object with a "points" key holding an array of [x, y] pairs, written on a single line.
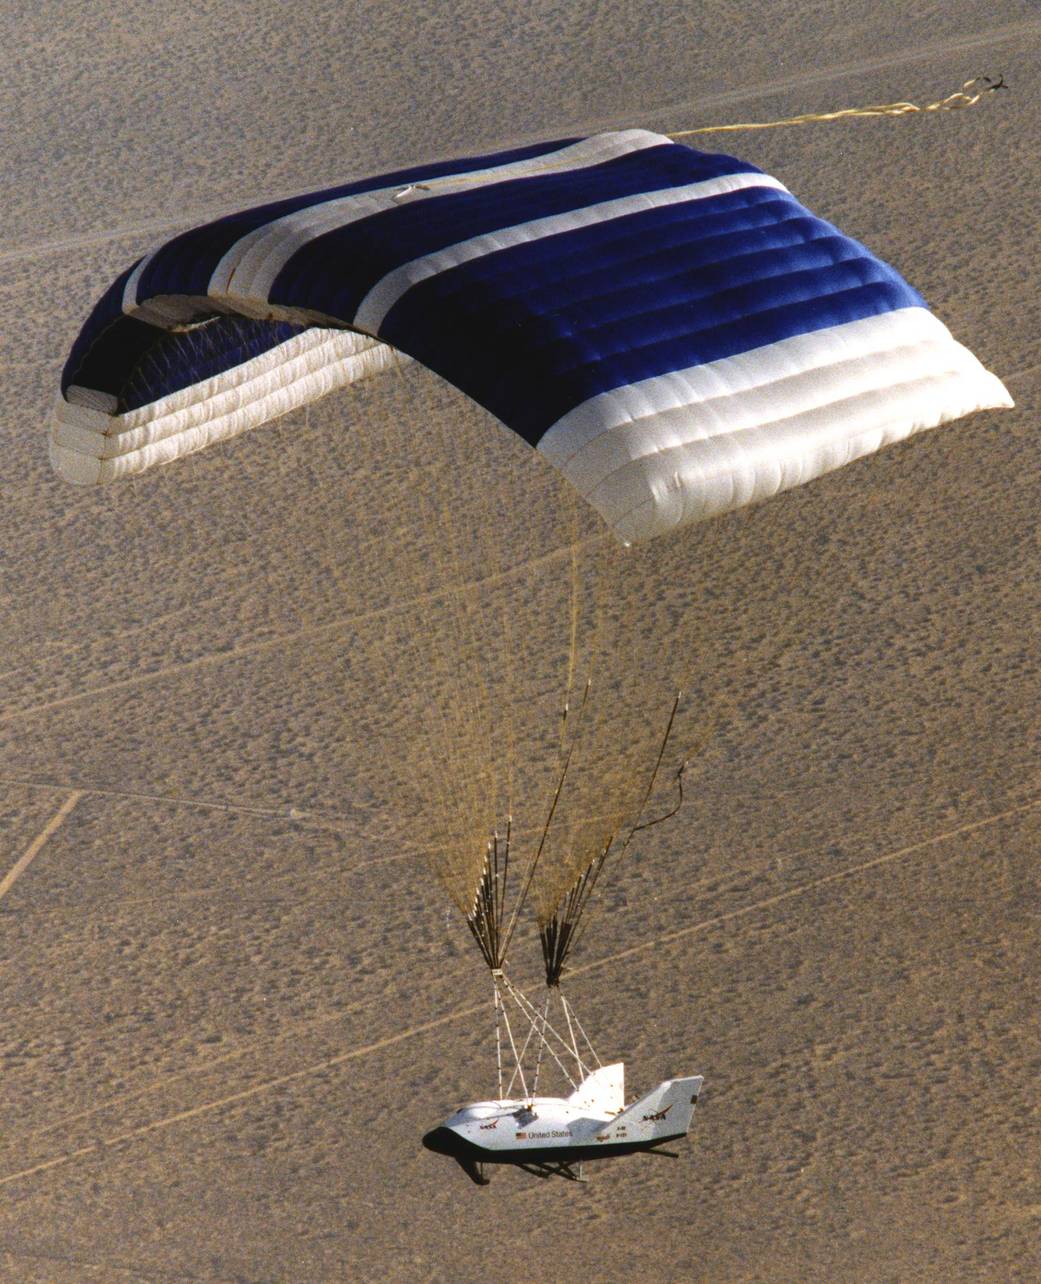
{"points": [[267, 1085], [30, 853]]}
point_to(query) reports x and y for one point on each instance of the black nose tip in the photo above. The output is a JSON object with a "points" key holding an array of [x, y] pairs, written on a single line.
{"points": [[439, 1140]]}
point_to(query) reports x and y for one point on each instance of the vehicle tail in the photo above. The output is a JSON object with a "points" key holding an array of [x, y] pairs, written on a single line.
{"points": [[664, 1113]]}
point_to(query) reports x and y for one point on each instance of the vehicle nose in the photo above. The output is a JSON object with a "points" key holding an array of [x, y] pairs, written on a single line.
{"points": [[441, 1141]]}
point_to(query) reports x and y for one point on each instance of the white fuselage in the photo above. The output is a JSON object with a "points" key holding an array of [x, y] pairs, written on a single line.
{"points": [[593, 1122], [538, 1124]]}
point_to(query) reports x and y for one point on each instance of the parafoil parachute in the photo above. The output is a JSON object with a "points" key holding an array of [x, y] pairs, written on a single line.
{"points": [[670, 328], [672, 331]]}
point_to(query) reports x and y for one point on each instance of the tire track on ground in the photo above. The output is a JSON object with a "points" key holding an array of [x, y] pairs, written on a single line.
{"points": [[268, 1085], [212, 659], [34, 848], [278, 641], [1024, 375], [289, 1035], [56, 649], [275, 813], [1013, 31], [110, 1269], [666, 939], [882, 62], [804, 888]]}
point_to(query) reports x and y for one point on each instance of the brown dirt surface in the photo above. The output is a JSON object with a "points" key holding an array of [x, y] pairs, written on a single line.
{"points": [[232, 997]]}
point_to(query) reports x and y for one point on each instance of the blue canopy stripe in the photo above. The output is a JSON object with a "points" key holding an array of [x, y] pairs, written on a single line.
{"points": [[671, 328]]}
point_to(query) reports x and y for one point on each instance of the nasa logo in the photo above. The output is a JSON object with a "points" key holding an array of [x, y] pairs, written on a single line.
{"points": [[494, 1124], [658, 1114]]}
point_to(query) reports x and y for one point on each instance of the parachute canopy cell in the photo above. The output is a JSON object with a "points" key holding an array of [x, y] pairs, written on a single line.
{"points": [[671, 328]]}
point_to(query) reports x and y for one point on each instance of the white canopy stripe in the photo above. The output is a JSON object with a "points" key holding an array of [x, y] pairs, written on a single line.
{"points": [[89, 445], [250, 267], [382, 297]]}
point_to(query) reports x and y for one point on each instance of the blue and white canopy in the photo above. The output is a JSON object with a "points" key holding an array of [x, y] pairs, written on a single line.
{"points": [[671, 328]]}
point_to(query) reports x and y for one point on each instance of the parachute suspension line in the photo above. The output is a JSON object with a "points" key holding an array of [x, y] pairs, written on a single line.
{"points": [[498, 1031], [542, 1044], [533, 864], [678, 778], [566, 713], [469, 716], [533, 1029], [544, 1031], [691, 754], [561, 933], [654, 774], [573, 641], [518, 1067], [970, 93], [558, 934], [392, 581], [506, 705], [570, 1028], [562, 1048], [574, 1028], [572, 1015], [485, 918], [500, 908]]}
